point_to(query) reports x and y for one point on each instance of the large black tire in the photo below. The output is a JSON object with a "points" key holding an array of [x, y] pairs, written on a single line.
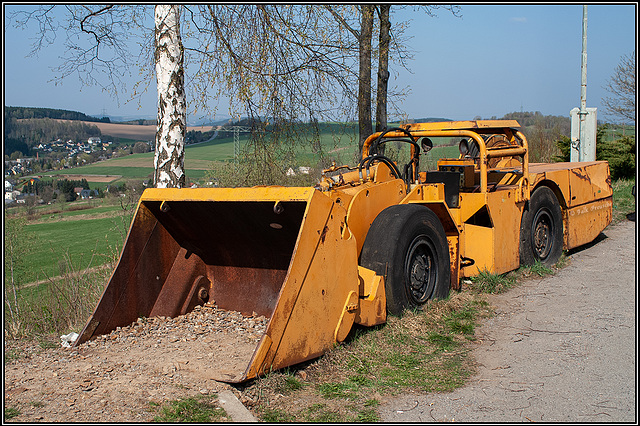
{"points": [[541, 229], [407, 245]]}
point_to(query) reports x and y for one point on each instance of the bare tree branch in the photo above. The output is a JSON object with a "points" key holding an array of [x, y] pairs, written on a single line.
{"points": [[622, 87]]}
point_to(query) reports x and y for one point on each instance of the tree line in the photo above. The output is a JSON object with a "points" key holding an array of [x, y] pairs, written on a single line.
{"points": [[49, 189], [22, 135], [58, 114]]}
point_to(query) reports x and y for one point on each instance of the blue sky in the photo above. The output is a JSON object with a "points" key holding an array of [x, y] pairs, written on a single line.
{"points": [[492, 60]]}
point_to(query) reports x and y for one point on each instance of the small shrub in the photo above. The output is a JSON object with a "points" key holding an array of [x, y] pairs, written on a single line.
{"points": [[194, 409], [274, 415], [10, 412], [621, 155], [537, 269], [486, 282]]}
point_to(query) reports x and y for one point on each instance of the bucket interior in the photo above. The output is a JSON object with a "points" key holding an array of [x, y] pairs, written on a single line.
{"points": [[241, 250]]}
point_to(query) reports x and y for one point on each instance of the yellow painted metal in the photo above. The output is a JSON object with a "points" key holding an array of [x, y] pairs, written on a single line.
{"points": [[579, 183], [473, 130], [259, 193], [313, 305], [372, 309], [368, 201], [432, 192], [432, 196], [184, 240], [347, 318], [478, 244], [463, 125], [584, 223], [491, 231], [584, 192]]}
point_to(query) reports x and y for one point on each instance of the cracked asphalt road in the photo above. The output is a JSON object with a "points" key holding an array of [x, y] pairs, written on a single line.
{"points": [[559, 349]]}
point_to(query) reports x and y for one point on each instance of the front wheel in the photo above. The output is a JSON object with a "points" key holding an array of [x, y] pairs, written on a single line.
{"points": [[407, 245], [541, 229]]}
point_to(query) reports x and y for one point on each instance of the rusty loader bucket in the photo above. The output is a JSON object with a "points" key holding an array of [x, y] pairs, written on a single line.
{"points": [[283, 253]]}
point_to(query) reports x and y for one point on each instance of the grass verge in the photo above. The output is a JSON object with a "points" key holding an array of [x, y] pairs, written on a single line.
{"points": [[424, 350], [624, 202]]}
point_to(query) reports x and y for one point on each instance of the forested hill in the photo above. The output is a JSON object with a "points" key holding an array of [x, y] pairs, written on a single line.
{"points": [[59, 114]]}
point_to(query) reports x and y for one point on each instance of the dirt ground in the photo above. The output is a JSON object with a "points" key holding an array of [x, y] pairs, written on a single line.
{"points": [[118, 377], [559, 349]]}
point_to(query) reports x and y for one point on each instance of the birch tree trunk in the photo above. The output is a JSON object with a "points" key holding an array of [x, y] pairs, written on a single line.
{"points": [[172, 116]]}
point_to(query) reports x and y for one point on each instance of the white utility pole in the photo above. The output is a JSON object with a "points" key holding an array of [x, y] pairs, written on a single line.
{"points": [[583, 129], [583, 85]]}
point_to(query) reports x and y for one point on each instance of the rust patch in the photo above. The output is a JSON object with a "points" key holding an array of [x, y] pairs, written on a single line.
{"points": [[454, 262], [581, 174], [324, 234]]}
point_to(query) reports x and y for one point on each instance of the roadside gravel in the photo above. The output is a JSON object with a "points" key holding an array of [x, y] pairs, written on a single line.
{"points": [[559, 349]]}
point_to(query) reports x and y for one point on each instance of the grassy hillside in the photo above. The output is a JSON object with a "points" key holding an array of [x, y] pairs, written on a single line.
{"points": [[338, 143]]}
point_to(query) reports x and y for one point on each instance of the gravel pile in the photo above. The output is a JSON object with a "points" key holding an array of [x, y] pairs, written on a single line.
{"points": [[204, 323], [121, 376]]}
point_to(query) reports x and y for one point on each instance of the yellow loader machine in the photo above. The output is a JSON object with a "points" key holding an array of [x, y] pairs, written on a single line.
{"points": [[368, 240]]}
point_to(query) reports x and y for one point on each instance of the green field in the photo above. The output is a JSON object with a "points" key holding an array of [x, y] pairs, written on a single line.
{"points": [[613, 132], [87, 208], [88, 240], [337, 141]]}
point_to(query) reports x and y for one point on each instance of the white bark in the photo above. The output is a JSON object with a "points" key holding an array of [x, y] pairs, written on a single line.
{"points": [[172, 118]]}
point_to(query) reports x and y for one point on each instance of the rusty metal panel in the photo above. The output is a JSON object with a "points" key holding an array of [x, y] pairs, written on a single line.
{"points": [[137, 280], [178, 288], [246, 246], [454, 264]]}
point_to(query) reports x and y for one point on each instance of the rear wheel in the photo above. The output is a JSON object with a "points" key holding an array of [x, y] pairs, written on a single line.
{"points": [[541, 229], [406, 244]]}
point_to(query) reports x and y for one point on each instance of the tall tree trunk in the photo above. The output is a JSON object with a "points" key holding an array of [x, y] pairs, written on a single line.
{"points": [[364, 87], [172, 115], [383, 68]]}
